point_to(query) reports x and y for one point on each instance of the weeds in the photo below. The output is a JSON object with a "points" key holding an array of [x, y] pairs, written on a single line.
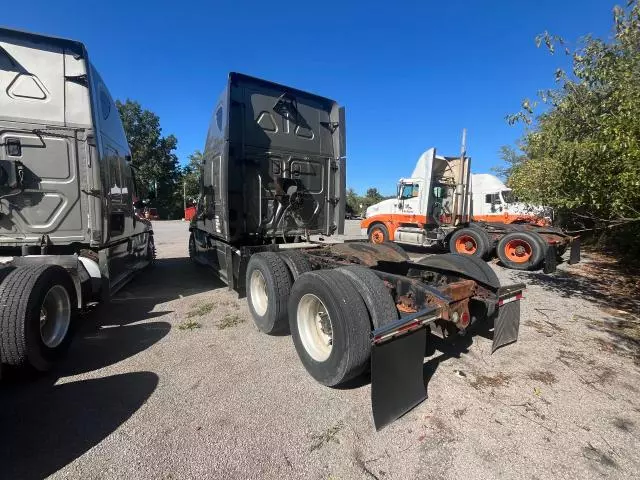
{"points": [[498, 380], [329, 435], [188, 325], [543, 376], [230, 320], [200, 310]]}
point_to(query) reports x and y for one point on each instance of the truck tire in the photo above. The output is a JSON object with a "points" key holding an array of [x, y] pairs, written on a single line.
{"points": [[491, 247], [469, 241], [268, 284], [192, 246], [5, 271], [378, 233], [296, 262], [330, 328], [397, 248], [376, 296], [521, 250], [37, 316], [469, 265]]}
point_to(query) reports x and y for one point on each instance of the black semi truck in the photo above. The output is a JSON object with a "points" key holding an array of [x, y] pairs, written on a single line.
{"points": [[272, 192]]}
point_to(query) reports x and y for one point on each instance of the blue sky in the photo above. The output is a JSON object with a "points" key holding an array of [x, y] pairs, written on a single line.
{"points": [[411, 74]]}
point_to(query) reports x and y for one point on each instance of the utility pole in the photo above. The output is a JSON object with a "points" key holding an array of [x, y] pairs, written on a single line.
{"points": [[184, 193]]}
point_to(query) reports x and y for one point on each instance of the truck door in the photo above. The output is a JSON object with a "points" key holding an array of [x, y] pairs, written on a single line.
{"points": [[409, 204]]}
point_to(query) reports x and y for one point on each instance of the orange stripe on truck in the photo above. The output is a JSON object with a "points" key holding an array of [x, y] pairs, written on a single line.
{"points": [[395, 220]]}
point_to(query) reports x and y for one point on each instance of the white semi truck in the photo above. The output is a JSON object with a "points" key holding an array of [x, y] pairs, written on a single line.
{"points": [[443, 204]]}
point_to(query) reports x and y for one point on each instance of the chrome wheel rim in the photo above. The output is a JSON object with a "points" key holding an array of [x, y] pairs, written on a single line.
{"points": [[55, 316], [259, 297], [315, 327]]}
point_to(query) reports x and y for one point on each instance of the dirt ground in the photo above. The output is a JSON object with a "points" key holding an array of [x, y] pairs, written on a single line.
{"points": [[173, 381]]}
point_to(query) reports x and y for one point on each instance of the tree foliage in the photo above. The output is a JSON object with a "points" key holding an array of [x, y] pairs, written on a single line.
{"points": [[357, 204], [191, 176], [157, 169], [583, 153]]}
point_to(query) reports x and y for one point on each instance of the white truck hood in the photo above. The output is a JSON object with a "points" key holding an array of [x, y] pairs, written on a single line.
{"points": [[385, 206]]}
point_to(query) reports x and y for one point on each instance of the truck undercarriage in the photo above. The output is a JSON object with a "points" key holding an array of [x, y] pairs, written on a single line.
{"points": [[401, 302]]}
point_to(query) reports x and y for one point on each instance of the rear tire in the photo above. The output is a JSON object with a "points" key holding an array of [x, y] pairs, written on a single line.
{"points": [[39, 307], [330, 328], [378, 233], [268, 284], [192, 247], [491, 247], [521, 250], [469, 241], [296, 262], [376, 296]]}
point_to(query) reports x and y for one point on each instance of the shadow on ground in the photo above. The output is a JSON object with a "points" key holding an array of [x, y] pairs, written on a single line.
{"points": [[45, 426]]}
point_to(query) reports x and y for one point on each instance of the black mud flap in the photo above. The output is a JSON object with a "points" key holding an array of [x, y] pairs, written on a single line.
{"points": [[507, 324], [550, 259], [574, 255], [397, 378]]}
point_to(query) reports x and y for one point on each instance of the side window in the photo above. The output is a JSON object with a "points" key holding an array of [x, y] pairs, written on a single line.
{"points": [[492, 198], [409, 190]]}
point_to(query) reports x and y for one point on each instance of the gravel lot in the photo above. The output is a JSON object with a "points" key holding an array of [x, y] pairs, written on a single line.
{"points": [[173, 381]]}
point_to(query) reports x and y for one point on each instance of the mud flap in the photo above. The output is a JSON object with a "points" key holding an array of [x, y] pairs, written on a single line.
{"points": [[397, 378], [506, 325], [574, 255], [550, 259]]}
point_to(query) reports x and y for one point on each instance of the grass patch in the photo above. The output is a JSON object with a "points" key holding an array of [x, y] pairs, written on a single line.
{"points": [[498, 380], [230, 320], [200, 310], [543, 376], [188, 325]]}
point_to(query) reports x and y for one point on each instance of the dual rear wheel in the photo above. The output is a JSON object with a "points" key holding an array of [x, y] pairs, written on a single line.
{"points": [[518, 250], [329, 313], [521, 250]]}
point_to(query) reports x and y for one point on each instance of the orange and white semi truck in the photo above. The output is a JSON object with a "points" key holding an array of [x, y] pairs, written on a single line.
{"points": [[443, 204]]}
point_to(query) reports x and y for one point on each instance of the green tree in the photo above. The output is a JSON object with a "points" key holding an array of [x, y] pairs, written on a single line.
{"points": [[511, 159], [582, 154], [157, 168], [353, 202], [191, 176], [373, 196]]}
